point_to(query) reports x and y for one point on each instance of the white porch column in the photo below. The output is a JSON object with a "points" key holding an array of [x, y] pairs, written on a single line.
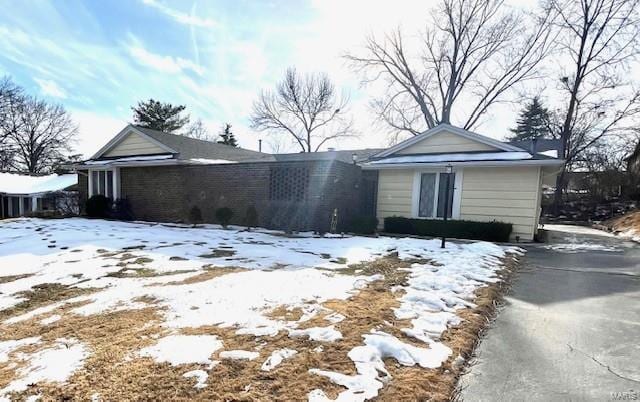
{"points": [[34, 203], [9, 207], [116, 183], [90, 181], [20, 206]]}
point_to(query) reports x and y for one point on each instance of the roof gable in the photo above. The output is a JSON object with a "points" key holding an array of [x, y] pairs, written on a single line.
{"points": [[130, 142], [446, 138]]}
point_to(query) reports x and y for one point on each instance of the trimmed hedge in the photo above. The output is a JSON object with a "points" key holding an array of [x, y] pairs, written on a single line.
{"points": [[489, 231], [362, 225]]}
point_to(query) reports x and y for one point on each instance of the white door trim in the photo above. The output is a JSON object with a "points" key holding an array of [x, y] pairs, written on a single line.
{"points": [[457, 192]]}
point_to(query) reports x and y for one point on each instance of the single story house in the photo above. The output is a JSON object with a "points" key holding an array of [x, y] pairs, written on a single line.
{"points": [[163, 176], [21, 194]]}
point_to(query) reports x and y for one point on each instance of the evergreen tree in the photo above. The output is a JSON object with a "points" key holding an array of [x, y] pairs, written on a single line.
{"points": [[227, 137], [159, 116], [533, 122]]}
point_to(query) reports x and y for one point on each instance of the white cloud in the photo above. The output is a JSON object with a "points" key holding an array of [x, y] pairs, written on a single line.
{"points": [[167, 64], [180, 17], [50, 88], [94, 130]]}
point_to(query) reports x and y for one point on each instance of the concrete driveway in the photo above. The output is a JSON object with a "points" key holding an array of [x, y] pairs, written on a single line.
{"points": [[570, 330]]}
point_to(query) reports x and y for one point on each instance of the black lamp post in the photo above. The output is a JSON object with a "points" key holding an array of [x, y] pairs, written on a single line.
{"points": [[448, 170]]}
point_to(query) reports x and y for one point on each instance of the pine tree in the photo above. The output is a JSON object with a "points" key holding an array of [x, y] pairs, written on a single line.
{"points": [[159, 116], [227, 137], [533, 122]]}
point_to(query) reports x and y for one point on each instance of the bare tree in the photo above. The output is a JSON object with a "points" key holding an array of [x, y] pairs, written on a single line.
{"points": [[599, 38], [304, 107], [11, 97], [41, 136], [473, 51], [198, 131]]}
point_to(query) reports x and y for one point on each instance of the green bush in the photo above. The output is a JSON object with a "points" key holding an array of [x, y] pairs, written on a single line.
{"points": [[364, 224], [195, 215], [98, 206], [223, 216], [251, 217], [489, 231]]}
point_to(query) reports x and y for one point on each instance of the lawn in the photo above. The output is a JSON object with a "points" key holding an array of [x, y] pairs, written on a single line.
{"points": [[102, 310]]}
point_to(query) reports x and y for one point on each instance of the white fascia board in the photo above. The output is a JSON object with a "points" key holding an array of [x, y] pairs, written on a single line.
{"points": [[130, 127], [456, 130], [530, 162]]}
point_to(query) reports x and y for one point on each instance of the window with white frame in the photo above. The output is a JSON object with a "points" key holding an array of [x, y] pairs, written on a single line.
{"points": [[101, 182], [432, 194]]}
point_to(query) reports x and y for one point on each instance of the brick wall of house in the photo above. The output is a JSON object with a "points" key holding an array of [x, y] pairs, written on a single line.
{"points": [[168, 193], [83, 190]]}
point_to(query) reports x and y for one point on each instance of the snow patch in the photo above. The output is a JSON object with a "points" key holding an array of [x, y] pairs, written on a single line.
{"points": [[239, 355], [183, 349], [201, 377], [276, 357], [322, 334], [54, 364]]}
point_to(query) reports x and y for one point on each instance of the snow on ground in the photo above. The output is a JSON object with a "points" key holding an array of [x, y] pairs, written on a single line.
{"points": [[575, 240], [183, 349], [577, 229], [580, 247], [128, 263], [277, 357], [53, 364]]}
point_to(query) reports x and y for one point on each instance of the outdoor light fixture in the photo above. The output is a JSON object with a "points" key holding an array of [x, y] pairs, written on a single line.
{"points": [[448, 170]]}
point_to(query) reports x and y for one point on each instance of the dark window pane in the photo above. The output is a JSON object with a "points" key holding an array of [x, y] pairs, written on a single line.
{"points": [[101, 186], [441, 193], [427, 192], [95, 183], [109, 190]]}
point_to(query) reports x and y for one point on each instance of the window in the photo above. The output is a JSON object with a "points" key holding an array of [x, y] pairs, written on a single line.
{"points": [[432, 194], [101, 182]]}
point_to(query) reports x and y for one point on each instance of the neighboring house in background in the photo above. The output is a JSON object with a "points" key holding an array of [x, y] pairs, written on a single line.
{"points": [[633, 161], [21, 194], [491, 180], [163, 176]]}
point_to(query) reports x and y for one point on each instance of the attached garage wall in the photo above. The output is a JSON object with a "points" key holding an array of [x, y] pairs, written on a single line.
{"points": [[509, 194], [394, 193], [445, 142]]}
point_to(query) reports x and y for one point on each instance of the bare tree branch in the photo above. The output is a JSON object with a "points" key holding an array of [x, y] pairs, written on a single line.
{"points": [[476, 50], [304, 107]]}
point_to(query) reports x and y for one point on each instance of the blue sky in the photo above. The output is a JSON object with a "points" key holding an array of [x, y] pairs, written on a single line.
{"points": [[98, 58]]}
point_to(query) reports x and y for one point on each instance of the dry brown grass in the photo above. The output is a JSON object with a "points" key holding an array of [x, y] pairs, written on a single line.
{"points": [[115, 337], [11, 278], [43, 295], [630, 221], [208, 274], [414, 383]]}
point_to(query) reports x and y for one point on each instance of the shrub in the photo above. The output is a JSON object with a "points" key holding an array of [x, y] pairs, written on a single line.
{"points": [[251, 217], [122, 210], [195, 215], [364, 224], [223, 216], [98, 206], [489, 231]]}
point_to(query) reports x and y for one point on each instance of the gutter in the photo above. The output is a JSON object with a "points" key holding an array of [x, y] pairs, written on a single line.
{"points": [[532, 162]]}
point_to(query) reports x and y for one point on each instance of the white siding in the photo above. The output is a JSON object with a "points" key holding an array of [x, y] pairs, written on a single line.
{"points": [[508, 194], [134, 144], [445, 142]]}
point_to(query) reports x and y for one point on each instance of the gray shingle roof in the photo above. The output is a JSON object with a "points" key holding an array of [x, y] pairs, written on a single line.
{"points": [[346, 156], [191, 148]]}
